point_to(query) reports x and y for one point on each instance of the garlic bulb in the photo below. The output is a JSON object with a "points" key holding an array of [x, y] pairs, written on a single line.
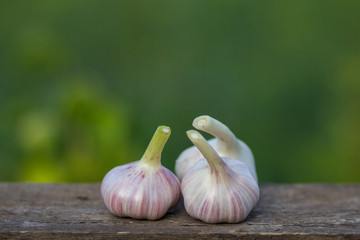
{"points": [[143, 189], [218, 189], [226, 145]]}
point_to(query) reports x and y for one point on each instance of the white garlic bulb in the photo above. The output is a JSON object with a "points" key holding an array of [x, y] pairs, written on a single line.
{"points": [[218, 189], [225, 144], [143, 189]]}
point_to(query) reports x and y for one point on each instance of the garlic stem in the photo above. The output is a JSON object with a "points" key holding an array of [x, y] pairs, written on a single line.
{"points": [[152, 155], [214, 160], [226, 138]]}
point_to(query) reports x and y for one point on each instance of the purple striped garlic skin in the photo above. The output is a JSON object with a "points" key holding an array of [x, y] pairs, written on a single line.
{"points": [[134, 191], [142, 189], [225, 144], [213, 198], [216, 189]]}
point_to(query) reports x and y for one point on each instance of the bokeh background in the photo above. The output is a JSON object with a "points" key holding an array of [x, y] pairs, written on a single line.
{"points": [[84, 84]]}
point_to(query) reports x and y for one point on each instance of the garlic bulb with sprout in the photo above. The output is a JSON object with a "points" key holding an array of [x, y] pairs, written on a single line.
{"points": [[225, 143], [142, 189], [218, 189]]}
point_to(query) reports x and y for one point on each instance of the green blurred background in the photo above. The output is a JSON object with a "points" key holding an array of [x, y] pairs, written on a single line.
{"points": [[84, 84]]}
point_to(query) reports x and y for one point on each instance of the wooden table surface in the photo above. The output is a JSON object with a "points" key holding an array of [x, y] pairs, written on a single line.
{"points": [[76, 211]]}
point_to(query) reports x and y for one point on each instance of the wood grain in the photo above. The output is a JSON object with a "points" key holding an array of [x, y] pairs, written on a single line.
{"points": [[76, 211]]}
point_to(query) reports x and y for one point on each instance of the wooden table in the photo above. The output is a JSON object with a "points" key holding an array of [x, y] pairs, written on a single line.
{"points": [[74, 211]]}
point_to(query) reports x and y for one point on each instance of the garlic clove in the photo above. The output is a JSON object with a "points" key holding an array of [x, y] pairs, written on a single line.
{"points": [[218, 189], [225, 143], [142, 189]]}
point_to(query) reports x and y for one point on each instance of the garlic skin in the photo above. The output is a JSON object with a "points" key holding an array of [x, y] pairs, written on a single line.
{"points": [[225, 144], [218, 189], [142, 189]]}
